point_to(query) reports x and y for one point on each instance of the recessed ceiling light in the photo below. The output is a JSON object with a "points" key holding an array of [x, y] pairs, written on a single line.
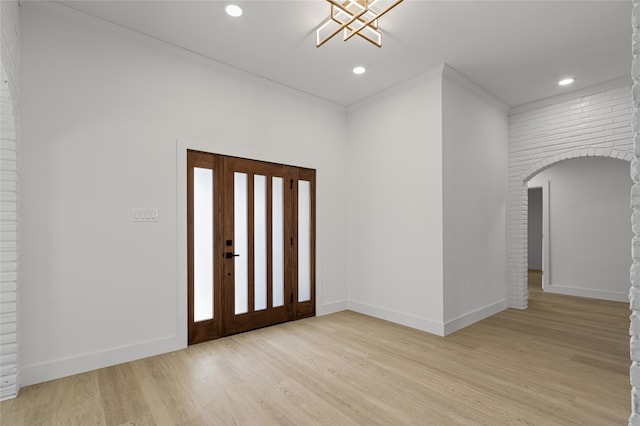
{"points": [[359, 70], [233, 10], [566, 81]]}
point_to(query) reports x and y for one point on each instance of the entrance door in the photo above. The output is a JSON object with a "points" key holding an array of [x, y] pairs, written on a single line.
{"points": [[252, 226]]}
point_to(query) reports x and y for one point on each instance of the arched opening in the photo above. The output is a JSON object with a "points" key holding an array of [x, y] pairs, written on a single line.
{"points": [[589, 289]]}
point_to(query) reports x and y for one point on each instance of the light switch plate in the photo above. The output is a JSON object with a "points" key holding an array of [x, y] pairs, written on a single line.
{"points": [[144, 214]]}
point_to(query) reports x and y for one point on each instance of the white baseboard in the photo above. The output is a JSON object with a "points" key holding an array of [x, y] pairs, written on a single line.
{"points": [[331, 308], [38, 373], [585, 292], [465, 320], [412, 321]]}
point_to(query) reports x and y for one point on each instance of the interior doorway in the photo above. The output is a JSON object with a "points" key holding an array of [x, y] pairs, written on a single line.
{"points": [[251, 244], [535, 238], [585, 230]]}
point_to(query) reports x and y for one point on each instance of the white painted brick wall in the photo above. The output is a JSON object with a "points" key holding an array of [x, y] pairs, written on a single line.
{"points": [[9, 197], [594, 122], [634, 293], [10, 44]]}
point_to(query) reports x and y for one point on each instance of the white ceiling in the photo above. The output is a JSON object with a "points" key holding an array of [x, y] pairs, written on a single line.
{"points": [[516, 50]]}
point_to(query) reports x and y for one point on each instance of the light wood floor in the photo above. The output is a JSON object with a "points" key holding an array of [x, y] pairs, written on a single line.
{"points": [[564, 361]]}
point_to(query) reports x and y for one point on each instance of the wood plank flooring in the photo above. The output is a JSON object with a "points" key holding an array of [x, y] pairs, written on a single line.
{"points": [[564, 361]]}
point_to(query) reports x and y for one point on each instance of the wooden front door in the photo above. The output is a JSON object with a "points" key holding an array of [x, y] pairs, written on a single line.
{"points": [[251, 244]]}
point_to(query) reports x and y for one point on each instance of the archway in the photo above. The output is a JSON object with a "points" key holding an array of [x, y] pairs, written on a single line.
{"points": [[519, 287]]}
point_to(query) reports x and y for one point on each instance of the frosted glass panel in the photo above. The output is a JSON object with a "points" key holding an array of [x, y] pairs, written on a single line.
{"points": [[241, 241], [277, 242], [304, 241], [260, 242], [202, 244]]}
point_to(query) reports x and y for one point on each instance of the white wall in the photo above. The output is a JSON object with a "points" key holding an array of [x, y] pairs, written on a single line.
{"points": [[589, 227], [427, 173], [107, 117], [534, 227], [102, 110], [395, 194], [475, 175]]}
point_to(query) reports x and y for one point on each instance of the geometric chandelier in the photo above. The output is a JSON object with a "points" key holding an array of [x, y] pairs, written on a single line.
{"points": [[353, 17]]}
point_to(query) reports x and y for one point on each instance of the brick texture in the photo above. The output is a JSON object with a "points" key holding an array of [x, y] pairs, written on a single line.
{"points": [[634, 293], [594, 123], [9, 197]]}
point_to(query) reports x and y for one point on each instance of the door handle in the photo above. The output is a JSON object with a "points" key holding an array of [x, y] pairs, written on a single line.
{"points": [[229, 255]]}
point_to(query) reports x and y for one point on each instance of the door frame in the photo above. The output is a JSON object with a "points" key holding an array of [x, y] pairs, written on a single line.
{"points": [[223, 166], [181, 339]]}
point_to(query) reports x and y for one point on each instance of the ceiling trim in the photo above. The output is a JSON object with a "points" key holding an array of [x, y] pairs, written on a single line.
{"points": [[601, 87], [400, 87], [456, 76]]}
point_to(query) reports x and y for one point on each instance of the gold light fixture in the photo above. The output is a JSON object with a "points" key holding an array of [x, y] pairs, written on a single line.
{"points": [[354, 17]]}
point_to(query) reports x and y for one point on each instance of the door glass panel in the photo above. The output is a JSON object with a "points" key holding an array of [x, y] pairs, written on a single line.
{"points": [[241, 241], [202, 244], [277, 240], [260, 242], [304, 241]]}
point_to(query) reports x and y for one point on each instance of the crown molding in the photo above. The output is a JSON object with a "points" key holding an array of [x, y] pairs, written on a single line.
{"points": [[601, 87], [454, 76], [435, 72]]}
